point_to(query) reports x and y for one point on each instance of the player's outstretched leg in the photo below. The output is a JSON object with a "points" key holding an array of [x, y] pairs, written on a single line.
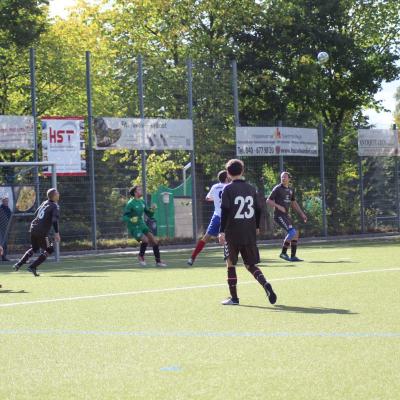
{"points": [[41, 259], [284, 250], [293, 251], [23, 260], [259, 276], [33, 266], [142, 251], [156, 250], [199, 247], [232, 283]]}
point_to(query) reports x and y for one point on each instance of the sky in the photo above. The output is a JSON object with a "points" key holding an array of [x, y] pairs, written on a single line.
{"points": [[382, 120], [58, 7]]}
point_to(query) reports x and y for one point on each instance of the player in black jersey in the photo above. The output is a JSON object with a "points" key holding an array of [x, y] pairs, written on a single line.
{"points": [[46, 217], [240, 222], [282, 198]]}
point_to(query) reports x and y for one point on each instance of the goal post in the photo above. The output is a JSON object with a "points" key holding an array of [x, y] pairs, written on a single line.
{"points": [[36, 165]]}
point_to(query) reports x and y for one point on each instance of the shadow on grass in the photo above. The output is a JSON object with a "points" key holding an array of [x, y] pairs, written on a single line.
{"points": [[77, 276], [303, 310], [9, 291], [267, 264]]}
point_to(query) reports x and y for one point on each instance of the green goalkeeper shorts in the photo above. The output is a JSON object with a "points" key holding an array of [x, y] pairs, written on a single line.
{"points": [[138, 230]]}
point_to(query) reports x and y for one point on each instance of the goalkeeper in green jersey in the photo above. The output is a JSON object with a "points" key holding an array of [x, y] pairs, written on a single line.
{"points": [[134, 218]]}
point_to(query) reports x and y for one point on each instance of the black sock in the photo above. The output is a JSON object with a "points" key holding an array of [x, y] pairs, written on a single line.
{"points": [[293, 248], [26, 257], [156, 251], [143, 247], [42, 257], [258, 275], [232, 282], [285, 246]]}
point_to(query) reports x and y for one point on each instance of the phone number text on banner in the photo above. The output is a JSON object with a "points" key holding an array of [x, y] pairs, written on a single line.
{"points": [[276, 141]]}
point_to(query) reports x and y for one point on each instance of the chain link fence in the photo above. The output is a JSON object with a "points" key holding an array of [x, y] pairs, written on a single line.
{"points": [[362, 195]]}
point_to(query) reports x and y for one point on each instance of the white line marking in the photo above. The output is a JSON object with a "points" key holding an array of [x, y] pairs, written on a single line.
{"points": [[176, 289], [155, 334]]}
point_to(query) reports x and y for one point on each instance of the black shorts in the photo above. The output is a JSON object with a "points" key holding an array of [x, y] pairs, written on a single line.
{"points": [[249, 253], [39, 241], [284, 221]]}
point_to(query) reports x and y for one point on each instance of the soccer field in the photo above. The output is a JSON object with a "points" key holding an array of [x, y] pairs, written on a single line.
{"points": [[103, 328]]}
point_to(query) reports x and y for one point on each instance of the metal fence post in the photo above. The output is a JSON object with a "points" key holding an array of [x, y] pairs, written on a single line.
{"points": [[141, 109], [54, 185], [362, 206], [235, 91], [322, 177], [193, 153], [396, 177], [34, 114], [281, 165], [90, 150]]}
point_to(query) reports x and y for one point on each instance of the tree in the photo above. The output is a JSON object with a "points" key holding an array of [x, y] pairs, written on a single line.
{"points": [[279, 67]]}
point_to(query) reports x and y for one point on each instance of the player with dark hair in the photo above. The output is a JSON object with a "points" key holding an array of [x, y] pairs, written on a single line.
{"points": [[134, 218], [46, 217], [214, 195], [281, 198], [240, 222]]}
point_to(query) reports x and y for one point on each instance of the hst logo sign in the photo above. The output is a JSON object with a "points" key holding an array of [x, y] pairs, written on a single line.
{"points": [[61, 135]]}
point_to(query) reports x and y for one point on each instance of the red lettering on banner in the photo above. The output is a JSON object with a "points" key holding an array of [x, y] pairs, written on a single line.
{"points": [[56, 136], [60, 137], [69, 133], [52, 136]]}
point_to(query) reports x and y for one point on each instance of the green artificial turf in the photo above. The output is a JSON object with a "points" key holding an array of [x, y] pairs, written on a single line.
{"points": [[104, 328]]}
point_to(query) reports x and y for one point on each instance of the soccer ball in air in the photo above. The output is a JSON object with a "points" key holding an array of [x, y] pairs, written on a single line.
{"points": [[323, 57]]}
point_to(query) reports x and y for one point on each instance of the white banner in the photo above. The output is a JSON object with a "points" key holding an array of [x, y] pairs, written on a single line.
{"points": [[276, 141], [63, 142], [146, 134], [378, 142], [16, 132]]}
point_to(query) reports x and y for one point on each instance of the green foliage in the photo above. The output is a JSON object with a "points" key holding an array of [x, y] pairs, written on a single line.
{"points": [[275, 43]]}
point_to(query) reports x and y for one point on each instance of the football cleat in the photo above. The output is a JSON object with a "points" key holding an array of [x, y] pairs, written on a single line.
{"points": [[16, 266], [270, 293], [295, 259], [284, 257], [33, 271], [142, 262], [160, 264], [190, 261], [230, 302]]}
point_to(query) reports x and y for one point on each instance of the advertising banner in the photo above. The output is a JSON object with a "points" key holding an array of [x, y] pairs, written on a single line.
{"points": [[63, 142], [276, 141], [378, 142], [143, 134], [16, 132]]}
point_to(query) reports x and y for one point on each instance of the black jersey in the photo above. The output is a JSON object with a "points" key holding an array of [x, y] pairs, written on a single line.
{"points": [[46, 216], [282, 196], [240, 216]]}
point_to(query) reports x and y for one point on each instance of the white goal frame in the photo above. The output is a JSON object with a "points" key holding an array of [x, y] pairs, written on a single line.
{"points": [[53, 183]]}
